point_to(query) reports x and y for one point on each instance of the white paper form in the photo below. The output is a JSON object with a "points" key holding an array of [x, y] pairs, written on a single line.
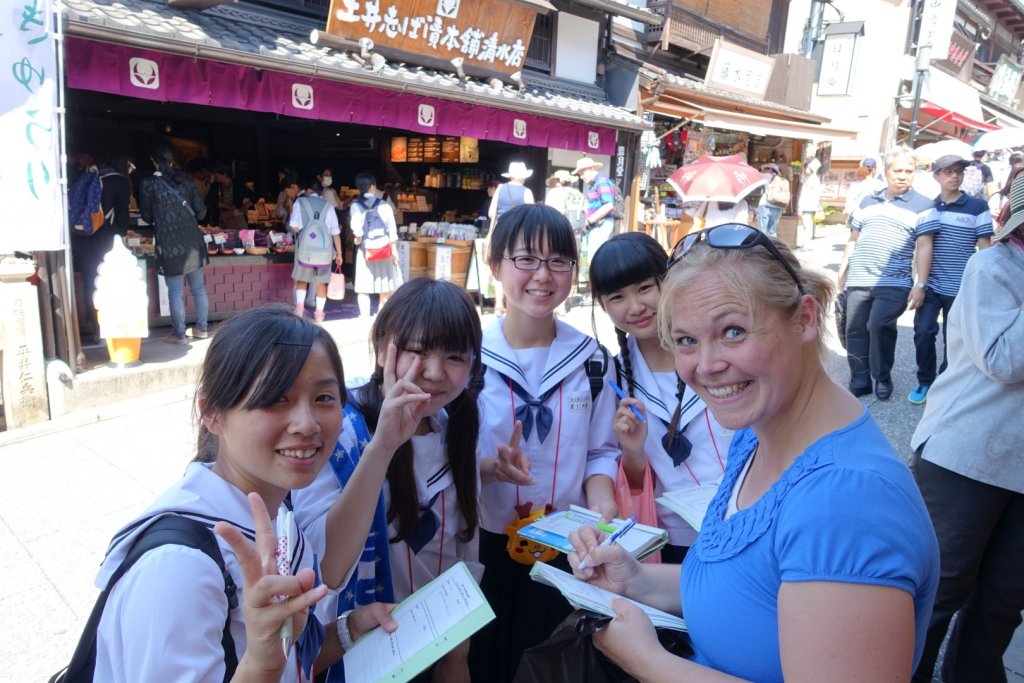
{"points": [[690, 504], [431, 622], [588, 596], [554, 530]]}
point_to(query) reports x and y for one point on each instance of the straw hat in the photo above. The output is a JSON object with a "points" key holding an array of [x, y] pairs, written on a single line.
{"points": [[518, 171], [1016, 218], [584, 163], [560, 176]]}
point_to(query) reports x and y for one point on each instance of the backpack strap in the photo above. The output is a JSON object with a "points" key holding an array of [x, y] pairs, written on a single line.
{"points": [[168, 530], [596, 367]]}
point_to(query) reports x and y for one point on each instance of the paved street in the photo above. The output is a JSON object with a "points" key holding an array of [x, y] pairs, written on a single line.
{"points": [[66, 487]]}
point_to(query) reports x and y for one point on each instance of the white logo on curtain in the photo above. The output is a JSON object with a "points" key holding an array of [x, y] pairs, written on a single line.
{"points": [[302, 96], [519, 129], [593, 140], [144, 73], [448, 8], [425, 115]]}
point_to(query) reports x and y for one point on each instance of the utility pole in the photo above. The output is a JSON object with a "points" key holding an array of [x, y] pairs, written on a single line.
{"points": [[921, 66], [813, 29]]}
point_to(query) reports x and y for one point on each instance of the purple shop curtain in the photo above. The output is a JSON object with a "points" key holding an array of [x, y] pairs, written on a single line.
{"points": [[164, 77]]}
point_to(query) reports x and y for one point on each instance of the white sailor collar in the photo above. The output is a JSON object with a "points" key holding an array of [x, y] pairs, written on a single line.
{"points": [[569, 350]]}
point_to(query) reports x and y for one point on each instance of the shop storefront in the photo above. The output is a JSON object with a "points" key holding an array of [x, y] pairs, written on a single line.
{"points": [[693, 119], [273, 99]]}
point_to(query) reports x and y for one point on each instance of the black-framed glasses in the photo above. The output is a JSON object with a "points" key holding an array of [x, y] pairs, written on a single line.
{"points": [[558, 264], [732, 236]]}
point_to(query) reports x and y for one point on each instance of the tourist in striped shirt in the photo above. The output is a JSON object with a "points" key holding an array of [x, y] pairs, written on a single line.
{"points": [[876, 272], [961, 222]]}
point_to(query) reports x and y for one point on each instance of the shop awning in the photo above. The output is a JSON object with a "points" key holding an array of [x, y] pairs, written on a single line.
{"points": [[950, 99], [113, 48], [1003, 118], [762, 125]]}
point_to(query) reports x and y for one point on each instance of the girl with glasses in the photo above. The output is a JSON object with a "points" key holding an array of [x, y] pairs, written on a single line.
{"points": [[545, 440], [684, 445], [816, 559]]}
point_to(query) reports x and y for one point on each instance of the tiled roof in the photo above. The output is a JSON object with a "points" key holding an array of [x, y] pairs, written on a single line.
{"points": [[280, 41]]}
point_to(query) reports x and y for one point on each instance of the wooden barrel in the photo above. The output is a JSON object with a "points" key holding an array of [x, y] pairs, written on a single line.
{"points": [[460, 261], [417, 255]]}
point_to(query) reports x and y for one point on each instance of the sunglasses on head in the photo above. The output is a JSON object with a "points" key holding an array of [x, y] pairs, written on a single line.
{"points": [[732, 236]]}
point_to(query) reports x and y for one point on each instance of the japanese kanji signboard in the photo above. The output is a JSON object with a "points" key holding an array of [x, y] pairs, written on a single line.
{"points": [[739, 70], [489, 36]]}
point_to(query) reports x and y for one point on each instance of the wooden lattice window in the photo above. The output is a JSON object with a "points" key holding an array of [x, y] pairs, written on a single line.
{"points": [[542, 43]]}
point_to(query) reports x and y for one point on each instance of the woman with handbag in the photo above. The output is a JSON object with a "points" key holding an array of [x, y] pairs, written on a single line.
{"points": [[376, 235], [816, 560], [169, 201], [679, 446]]}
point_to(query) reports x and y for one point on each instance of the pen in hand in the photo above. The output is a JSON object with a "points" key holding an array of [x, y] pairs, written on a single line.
{"points": [[283, 555], [611, 538], [622, 394]]}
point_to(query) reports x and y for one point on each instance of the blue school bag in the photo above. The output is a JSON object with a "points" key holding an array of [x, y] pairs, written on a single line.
{"points": [[314, 247], [85, 204]]}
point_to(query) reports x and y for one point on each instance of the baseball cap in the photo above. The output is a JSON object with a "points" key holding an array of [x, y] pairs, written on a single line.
{"points": [[948, 160]]}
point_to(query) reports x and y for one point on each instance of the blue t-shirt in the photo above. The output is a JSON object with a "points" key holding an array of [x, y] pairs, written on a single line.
{"points": [[889, 228], [959, 224], [847, 510]]}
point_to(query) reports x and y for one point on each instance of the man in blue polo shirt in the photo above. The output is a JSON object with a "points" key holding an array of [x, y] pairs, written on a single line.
{"points": [[876, 273], [961, 223]]}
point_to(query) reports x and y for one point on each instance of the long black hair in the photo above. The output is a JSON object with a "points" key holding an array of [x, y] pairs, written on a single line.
{"points": [[253, 360], [624, 260], [430, 314], [162, 156]]}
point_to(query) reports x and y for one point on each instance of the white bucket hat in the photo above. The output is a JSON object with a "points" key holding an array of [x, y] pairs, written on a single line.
{"points": [[584, 163], [517, 170]]}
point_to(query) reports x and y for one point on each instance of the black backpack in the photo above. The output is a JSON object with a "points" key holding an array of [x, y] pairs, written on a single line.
{"points": [[168, 530]]}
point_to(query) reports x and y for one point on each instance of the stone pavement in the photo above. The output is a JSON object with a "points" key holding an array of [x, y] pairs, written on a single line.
{"points": [[104, 464]]}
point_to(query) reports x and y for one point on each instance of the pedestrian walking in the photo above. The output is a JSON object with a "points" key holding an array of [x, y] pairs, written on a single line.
{"points": [[876, 273], [962, 223]]}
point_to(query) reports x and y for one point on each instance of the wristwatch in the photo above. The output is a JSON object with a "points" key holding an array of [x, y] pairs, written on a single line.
{"points": [[343, 633], [919, 285]]}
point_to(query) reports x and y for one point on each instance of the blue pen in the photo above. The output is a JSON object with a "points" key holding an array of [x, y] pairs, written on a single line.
{"points": [[622, 394], [612, 538]]}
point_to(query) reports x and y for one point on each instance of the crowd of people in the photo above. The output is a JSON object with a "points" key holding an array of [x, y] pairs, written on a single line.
{"points": [[821, 556]]}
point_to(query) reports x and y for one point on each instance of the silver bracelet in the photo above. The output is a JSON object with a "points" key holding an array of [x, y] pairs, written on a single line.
{"points": [[343, 633]]}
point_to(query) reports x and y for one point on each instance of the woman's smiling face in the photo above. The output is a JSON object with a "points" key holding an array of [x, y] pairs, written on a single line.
{"points": [[535, 293], [745, 364]]}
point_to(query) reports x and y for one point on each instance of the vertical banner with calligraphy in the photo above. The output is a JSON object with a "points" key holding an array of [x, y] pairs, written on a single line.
{"points": [[30, 170], [937, 25]]}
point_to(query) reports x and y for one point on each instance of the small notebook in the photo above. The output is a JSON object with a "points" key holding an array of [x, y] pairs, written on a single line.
{"points": [[584, 595], [553, 530], [690, 504], [431, 622]]}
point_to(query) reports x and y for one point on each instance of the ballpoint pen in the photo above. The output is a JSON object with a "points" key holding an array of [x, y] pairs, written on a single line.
{"points": [[611, 538], [283, 555], [622, 394]]}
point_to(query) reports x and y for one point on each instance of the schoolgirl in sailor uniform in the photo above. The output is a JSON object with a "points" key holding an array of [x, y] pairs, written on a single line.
{"points": [[269, 400], [625, 277], [430, 494], [545, 441]]}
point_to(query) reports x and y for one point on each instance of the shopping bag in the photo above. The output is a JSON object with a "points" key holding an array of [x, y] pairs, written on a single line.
{"points": [[639, 503], [569, 653], [336, 287]]}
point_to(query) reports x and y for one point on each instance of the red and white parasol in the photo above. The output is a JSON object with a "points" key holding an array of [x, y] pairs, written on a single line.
{"points": [[716, 179]]}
